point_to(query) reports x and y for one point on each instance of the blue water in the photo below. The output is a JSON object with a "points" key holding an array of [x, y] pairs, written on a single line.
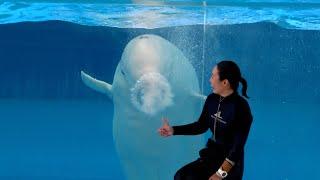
{"points": [[54, 127], [57, 139]]}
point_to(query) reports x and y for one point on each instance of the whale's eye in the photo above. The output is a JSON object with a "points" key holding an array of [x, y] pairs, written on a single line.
{"points": [[122, 72]]}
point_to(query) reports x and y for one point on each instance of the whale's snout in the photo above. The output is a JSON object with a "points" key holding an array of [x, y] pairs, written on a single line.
{"points": [[151, 93]]}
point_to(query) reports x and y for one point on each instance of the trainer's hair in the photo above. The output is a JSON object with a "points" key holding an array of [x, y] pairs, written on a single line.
{"points": [[229, 70]]}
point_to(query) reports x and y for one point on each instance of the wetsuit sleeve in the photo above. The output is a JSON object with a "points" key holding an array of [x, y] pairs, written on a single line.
{"points": [[242, 128], [197, 127]]}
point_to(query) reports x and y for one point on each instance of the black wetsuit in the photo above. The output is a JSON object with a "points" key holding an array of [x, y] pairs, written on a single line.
{"points": [[231, 124]]}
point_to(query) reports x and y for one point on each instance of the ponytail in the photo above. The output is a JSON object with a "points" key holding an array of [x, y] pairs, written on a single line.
{"points": [[244, 87], [229, 70]]}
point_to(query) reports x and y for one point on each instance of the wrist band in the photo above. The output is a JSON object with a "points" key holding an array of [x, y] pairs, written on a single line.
{"points": [[229, 161], [221, 173]]}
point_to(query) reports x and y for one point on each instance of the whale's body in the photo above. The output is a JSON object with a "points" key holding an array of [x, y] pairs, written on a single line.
{"points": [[152, 80]]}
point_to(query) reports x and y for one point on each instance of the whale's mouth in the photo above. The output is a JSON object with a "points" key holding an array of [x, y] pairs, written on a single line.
{"points": [[151, 93]]}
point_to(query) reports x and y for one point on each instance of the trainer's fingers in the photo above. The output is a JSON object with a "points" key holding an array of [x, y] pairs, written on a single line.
{"points": [[161, 130], [161, 133]]}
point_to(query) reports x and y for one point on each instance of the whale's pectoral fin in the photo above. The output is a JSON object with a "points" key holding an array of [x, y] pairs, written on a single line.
{"points": [[96, 84], [200, 97]]}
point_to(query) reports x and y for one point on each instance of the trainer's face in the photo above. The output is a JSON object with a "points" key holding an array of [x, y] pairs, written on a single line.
{"points": [[216, 85]]}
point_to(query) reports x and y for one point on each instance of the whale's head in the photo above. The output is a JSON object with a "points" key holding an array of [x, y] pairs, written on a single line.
{"points": [[144, 65]]}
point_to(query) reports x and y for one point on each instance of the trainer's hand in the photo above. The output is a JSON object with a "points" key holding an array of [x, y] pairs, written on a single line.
{"points": [[215, 177], [166, 130]]}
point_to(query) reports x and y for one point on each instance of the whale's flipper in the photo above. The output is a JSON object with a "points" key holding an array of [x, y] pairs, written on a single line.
{"points": [[97, 85]]}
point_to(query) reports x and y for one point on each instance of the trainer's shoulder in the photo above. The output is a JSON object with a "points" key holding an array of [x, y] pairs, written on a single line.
{"points": [[243, 102], [212, 96]]}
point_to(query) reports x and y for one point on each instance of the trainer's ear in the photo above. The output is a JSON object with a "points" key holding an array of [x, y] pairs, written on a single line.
{"points": [[225, 82]]}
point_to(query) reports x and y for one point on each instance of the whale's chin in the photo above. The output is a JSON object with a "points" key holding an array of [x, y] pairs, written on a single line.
{"points": [[151, 93]]}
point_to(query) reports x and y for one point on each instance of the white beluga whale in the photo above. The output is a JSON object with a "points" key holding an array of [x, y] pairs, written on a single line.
{"points": [[152, 80]]}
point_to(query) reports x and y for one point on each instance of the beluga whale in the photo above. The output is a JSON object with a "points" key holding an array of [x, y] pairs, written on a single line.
{"points": [[152, 80]]}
